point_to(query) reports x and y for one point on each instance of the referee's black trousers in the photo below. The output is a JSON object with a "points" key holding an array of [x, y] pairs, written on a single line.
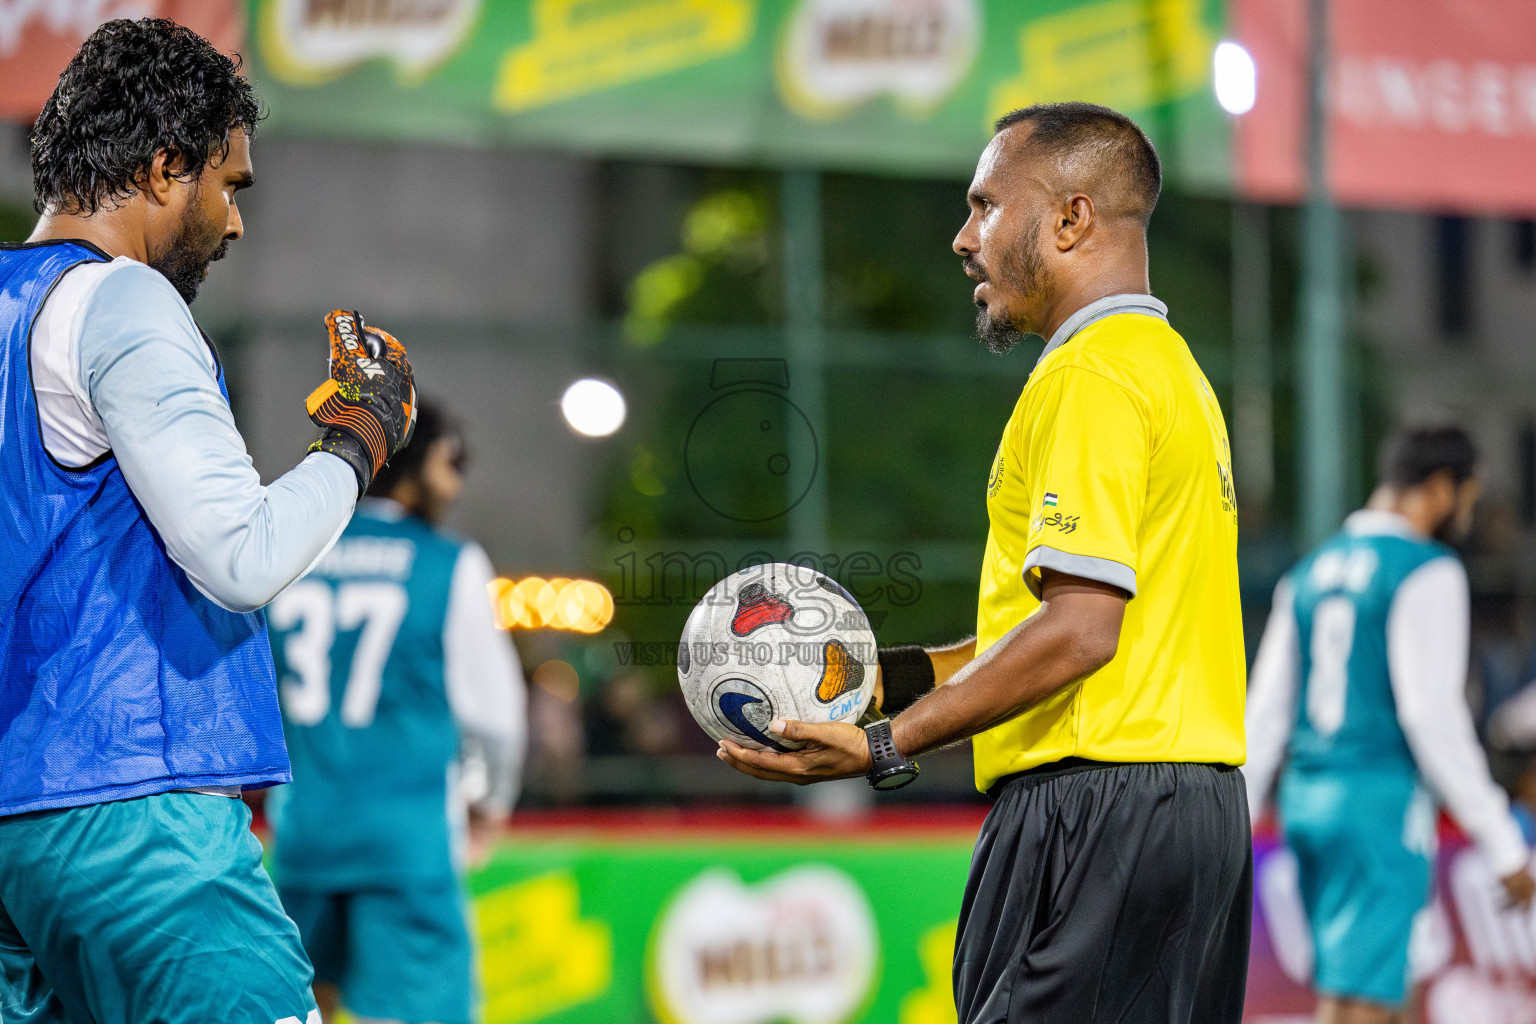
{"points": [[1109, 894]]}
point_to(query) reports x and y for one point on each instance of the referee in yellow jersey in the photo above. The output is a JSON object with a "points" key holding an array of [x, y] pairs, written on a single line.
{"points": [[1104, 689]]}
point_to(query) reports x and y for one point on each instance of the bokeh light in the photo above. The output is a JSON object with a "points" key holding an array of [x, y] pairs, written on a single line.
{"points": [[583, 606], [593, 408], [1236, 78]]}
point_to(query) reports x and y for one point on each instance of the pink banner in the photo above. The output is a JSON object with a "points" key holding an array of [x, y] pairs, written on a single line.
{"points": [[1431, 103], [1476, 960], [38, 37]]}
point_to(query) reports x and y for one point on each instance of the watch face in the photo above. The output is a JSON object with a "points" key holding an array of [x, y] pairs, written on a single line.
{"points": [[895, 778]]}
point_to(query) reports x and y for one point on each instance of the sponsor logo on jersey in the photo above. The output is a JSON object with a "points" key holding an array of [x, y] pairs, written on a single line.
{"points": [[1057, 521], [1228, 492]]}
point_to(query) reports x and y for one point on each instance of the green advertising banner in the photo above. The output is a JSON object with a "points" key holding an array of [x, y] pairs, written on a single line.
{"points": [[757, 929], [890, 86]]}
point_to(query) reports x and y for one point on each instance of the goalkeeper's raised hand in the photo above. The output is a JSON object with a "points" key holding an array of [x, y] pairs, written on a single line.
{"points": [[367, 407]]}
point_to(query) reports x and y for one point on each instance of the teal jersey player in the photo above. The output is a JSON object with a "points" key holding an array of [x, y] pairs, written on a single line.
{"points": [[389, 659], [1358, 690]]}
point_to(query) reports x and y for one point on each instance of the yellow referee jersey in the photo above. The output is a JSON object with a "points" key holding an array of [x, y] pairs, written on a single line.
{"points": [[1115, 466]]}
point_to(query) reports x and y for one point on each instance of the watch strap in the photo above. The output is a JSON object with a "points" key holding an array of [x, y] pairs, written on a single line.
{"points": [[888, 768], [882, 745]]}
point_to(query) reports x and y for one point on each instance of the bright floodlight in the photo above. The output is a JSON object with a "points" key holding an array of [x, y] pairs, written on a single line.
{"points": [[1236, 78], [593, 407]]}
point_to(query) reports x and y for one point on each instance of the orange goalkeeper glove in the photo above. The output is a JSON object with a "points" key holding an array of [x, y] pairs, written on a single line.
{"points": [[367, 407]]}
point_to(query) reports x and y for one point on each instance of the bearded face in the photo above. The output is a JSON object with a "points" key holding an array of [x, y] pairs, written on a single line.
{"points": [[1018, 271], [198, 242]]}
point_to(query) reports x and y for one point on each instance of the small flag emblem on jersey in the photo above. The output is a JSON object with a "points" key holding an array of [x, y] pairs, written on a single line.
{"points": [[1050, 500]]}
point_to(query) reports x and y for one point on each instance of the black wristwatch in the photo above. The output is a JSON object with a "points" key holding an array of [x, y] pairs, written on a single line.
{"points": [[888, 769]]}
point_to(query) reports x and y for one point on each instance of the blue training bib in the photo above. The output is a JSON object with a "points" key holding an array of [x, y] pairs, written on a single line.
{"points": [[118, 678]]}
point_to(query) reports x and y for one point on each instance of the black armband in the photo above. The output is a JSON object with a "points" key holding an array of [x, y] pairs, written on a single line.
{"points": [[906, 673]]}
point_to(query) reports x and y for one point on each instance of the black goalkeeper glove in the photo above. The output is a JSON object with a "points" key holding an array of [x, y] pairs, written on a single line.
{"points": [[367, 407]]}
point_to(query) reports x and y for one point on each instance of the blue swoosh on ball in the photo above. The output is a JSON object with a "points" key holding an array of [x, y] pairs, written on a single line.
{"points": [[733, 707]]}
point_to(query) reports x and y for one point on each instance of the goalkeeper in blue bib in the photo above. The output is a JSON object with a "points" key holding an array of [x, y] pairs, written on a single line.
{"points": [[1358, 690], [392, 670], [137, 547]]}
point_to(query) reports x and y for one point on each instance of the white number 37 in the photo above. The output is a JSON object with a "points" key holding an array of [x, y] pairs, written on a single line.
{"points": [[314, 612]]}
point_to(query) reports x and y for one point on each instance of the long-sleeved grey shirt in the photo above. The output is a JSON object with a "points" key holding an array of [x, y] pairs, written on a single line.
{"points": [[120, 369]]}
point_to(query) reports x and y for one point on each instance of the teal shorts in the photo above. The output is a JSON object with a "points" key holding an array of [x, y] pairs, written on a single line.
{"points": [[154, 909], [1364, 845], [398, 952]]}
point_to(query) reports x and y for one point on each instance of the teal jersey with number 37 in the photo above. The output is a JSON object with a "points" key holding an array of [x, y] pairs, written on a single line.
{"points": [[1346, 713], [359, 650]]}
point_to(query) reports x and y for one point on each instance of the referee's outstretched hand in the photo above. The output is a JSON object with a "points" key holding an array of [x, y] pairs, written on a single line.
{"points": [[832, 751]]}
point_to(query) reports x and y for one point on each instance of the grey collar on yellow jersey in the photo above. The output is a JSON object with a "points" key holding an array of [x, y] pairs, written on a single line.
{"points": [[1098, 309]]}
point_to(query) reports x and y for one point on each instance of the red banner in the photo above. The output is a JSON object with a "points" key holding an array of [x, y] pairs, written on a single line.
{"points": [[38, 37], [1431, 103], [1475, 959]]}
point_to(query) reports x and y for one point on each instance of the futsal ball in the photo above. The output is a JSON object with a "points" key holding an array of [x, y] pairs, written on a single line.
{"points": [[775, 641]]}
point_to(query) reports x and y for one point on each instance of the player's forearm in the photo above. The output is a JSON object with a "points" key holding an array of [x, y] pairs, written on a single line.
{"points": [[503, 773], [1427, 648], [1456, 770], [1067, 639], [241, 543], [1444, 743]]}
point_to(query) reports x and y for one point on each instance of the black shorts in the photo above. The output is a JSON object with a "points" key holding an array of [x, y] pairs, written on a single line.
{"points": [[1116, 894]]}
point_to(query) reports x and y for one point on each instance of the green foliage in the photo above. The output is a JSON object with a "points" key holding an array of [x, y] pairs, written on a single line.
{"points": [[16, 222], [725, 272], [889, 265]]}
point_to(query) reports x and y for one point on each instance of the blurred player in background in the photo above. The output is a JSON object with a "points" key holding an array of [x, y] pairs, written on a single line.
{"points": [[1359, 688], [137, 543], [1104, 690], [391, 665]]}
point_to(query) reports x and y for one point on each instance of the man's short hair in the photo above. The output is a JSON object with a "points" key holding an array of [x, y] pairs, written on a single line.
{"points": [[1089, 130], [432, 424], [133, 89], [1412, 456]]}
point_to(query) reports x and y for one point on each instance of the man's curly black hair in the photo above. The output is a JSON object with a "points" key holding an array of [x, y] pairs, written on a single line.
{"points": [[135, 88]]}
